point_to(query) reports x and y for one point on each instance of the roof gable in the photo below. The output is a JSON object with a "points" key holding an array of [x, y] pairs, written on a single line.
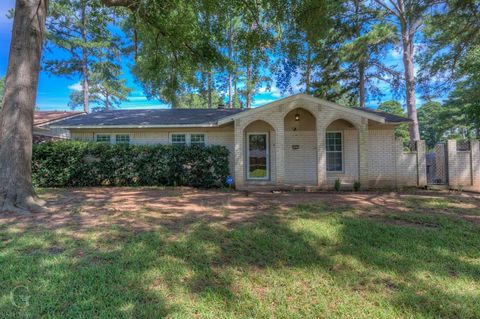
{"points": [[369, 114]]}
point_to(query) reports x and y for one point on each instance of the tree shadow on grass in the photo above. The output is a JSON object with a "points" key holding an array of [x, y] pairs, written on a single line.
{"points": [[428, 267], [119, 272]]}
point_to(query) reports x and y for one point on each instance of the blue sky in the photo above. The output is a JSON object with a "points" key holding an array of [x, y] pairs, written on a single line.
{"points": [[54, 91]]}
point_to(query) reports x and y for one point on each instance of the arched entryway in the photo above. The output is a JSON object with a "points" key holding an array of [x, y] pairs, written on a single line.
{"points": [[342, 152], [259, 152], [300, 148]]}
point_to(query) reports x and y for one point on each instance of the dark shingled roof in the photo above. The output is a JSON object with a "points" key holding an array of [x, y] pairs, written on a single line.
{"points": [[389, 118], [161, 117], [151, 117]]}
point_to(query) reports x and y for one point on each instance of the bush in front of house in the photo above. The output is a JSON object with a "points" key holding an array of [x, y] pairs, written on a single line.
{"points": [[76, 164]]}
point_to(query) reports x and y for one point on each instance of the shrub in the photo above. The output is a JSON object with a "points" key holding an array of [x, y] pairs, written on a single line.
{"points": [[76, 164], [337, 184], [356, 186]]}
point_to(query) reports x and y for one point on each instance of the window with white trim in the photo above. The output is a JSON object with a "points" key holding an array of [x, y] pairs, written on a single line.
{"points": [[197, 139], [103, 138], [122, 139], [334, 152], [179, 139]]}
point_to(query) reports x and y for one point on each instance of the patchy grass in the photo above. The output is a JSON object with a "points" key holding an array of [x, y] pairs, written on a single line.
{"points": [[130, 253]]}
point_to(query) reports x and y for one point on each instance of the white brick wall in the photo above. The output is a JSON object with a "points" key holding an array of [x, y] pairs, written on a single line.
{"points": [[461, 169]]}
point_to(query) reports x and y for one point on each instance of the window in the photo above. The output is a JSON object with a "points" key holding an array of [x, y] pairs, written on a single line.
{"points": [[179, 139], [258, 156], [103, 138], [122, 139], [334, 152], [197, 139]]}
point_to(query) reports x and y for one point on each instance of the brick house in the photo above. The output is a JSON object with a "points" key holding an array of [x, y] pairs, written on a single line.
{"points": [[42, 121], [298, 141]]}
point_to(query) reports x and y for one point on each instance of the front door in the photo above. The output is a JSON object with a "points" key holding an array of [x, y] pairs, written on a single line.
{"points": [[257, 156]]}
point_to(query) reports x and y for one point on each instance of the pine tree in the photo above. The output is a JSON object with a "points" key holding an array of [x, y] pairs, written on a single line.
{"points": [[81, 29], [407, 16]]}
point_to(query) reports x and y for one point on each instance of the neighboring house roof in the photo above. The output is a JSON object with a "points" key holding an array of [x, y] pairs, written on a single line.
{"points": [[201, 117], [47, 117]]}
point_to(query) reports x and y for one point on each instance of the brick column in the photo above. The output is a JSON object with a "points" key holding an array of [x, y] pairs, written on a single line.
{"points": [[451, 153], [280, 155], [363, 154], [421, 164], [321, 154], [475, 162], [239, 155]]}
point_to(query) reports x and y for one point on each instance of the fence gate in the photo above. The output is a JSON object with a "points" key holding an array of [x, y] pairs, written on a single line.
{"points": [[437, 165]]}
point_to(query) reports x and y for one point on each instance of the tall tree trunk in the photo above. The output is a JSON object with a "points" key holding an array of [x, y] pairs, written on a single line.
{"points": [[107, 103], [408, 51], [16, 117], [308, 71], [361, 84], [361, 64], [210, 88], [85, 86], [230, 75], [249, 90], [408, 27]]}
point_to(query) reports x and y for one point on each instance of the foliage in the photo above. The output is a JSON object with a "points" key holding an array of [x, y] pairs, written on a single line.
{"points": [[198, 101], [337, 185], [107, 91], [430, 119], [451, 63], [76, 164], [339, 56], [356, 186], [183, 47], [394, 107]]}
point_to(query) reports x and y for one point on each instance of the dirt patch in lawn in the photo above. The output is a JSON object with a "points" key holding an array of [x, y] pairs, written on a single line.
{"points": [[152, 208]]}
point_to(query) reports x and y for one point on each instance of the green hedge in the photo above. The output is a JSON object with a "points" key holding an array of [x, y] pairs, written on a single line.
{"points": [[75, 164]]}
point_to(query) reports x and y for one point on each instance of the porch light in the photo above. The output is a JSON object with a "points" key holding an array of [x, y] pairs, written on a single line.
{"points": [[297, 117]]}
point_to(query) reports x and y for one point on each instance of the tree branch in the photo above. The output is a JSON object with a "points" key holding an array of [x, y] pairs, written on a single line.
{"points": [[130, 4], [380, 3]]}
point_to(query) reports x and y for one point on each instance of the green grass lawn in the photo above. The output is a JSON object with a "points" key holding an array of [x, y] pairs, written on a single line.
{"points": [[311, 260]]}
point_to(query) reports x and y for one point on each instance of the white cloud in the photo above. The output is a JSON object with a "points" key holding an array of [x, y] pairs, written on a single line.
{"points": [[259, 102], [396, 53], [75, 87], [274, 91], [137, 98]]}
